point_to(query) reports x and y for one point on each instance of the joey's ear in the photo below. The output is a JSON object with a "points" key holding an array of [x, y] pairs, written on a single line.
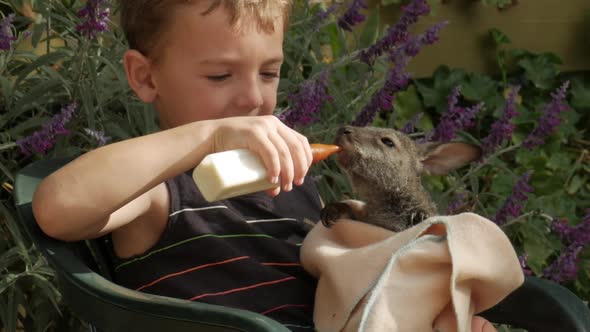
{"points": [[139, 75], [441, 158]]}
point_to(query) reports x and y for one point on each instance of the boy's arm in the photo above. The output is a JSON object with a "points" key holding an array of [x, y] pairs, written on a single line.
{"points": [[111, 186]]}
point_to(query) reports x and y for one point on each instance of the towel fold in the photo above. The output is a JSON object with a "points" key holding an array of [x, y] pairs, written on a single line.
{"points": [[433, 276]]}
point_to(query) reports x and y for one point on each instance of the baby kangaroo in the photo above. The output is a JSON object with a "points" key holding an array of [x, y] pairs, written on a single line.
{"points": [[384, 167]]}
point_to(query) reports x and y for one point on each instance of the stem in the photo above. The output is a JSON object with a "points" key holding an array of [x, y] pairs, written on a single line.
{"points": [[7, 146], [577, 166], [48, 28], [521, 218]]}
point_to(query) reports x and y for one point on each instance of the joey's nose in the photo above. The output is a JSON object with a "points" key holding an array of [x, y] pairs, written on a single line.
{"points": [[346, 130]]}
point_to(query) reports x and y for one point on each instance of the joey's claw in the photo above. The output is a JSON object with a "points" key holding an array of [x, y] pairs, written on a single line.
{"points": [[332, 212]]}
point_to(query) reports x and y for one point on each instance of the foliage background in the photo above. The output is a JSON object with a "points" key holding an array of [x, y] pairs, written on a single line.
{"points": [[53, 64]]}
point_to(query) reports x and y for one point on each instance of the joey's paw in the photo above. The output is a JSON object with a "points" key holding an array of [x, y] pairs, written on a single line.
{"points": [[334, 211]]}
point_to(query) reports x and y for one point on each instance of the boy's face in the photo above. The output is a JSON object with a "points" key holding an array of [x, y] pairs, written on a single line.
{"points": [[207, 71]]}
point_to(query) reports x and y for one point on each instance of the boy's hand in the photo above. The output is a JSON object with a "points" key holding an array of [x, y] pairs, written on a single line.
{"points": [[285, 153]]}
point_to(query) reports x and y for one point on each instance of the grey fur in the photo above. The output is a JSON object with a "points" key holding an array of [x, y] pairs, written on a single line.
{"points": [[388, 178]]}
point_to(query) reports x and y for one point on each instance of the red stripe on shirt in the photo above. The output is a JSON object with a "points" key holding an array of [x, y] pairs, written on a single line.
{"points": [[190, 270], [235, 290], [285, 306], [281, 264]]}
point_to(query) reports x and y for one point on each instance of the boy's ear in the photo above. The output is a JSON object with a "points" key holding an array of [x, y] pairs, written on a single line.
{"points": [[441, 158], [139, 75]]}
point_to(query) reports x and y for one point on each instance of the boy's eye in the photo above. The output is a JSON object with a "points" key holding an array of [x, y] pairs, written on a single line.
{"points": [[387, 141], [270, 74], [218, 78]]}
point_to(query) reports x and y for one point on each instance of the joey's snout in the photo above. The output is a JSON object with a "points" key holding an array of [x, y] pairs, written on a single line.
{"points": [[345, 140], [346, 130], [344, 136]]}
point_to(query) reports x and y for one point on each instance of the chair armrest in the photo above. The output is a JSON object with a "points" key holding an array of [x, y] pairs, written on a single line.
{"points": [[541, 305]]}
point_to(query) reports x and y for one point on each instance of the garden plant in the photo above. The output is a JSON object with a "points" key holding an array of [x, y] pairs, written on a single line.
{"points": [[63, 91]]}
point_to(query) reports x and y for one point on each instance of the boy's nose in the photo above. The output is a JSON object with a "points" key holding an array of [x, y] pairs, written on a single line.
{"points": [[250, 97]]}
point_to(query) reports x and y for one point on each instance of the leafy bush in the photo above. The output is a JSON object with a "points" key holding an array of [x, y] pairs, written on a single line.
{"points": [[63, 91]]}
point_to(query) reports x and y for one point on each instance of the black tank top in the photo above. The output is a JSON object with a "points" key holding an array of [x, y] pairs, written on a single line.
{"points": [[241, 252]]}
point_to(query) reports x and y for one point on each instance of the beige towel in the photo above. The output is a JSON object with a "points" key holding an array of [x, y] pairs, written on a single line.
{"points": [[433, 276]]}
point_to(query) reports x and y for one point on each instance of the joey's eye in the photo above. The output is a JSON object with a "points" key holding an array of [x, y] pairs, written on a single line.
{"points": [[387, 141]]}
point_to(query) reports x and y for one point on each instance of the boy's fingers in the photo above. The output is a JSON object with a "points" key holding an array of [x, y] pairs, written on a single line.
{"points": [[274, 192], [299, 151], [286, 162], [270, 158], [480, 324]]}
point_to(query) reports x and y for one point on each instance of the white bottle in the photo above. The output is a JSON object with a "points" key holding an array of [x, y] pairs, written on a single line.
{"points": [[238, 172], [231, 173]]}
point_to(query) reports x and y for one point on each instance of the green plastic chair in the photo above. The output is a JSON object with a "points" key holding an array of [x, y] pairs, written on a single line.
{"points": [[84, 274]]}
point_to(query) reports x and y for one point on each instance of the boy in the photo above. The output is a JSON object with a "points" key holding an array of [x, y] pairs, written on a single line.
{"points": [[211, 69]]}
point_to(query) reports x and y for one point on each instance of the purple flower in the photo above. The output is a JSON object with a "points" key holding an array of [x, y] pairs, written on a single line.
{"points": [[397, 78], [502, 129], [513, 204], [323, 14], [98, 136], [410, 126], [549, 120], [429, 37], [565, 267], [42, 140], [454, 119], [396, 34], [6, 36], [96, 18], [457, 204], [352, 15], [307, 102], [578, 234]]}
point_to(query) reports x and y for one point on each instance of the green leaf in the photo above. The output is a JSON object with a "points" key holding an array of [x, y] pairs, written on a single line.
{"points": [[370, 29], [336, 40], [503, 183], [559, 160], [540, 70], [44, 60], [436, 92], [538, 244], [9, 310], [38, 31], [7, 281], [24, 127], [407, 104], [576, 183], [580, 92], [499, 37], [34, 97], [479, 87], [556, 204], [48, 289], [498, 3], [8, 258], [390, 2]]}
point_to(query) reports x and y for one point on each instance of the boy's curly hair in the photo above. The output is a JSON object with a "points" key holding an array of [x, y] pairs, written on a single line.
{"points": [[144, 21]]}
